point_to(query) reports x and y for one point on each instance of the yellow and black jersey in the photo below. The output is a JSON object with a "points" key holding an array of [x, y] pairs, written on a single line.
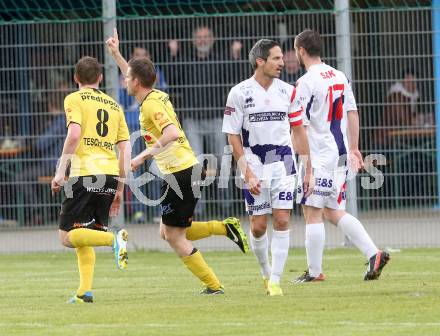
{"points": [[103, 125], [156, 113]]}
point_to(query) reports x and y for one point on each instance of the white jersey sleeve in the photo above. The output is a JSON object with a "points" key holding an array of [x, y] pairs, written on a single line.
{"points": [[301, 96], [233, 114], [350, 101]]}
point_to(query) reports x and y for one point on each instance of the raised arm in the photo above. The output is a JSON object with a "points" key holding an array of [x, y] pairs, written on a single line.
{"points": [[113, 47]]}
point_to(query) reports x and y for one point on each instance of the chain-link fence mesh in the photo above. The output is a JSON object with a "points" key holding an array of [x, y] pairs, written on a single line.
{"points": [[199, 58]]}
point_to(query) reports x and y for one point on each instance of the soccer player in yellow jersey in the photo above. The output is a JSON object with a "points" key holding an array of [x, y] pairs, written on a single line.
{"points": [[95, 126], [168, 145]]}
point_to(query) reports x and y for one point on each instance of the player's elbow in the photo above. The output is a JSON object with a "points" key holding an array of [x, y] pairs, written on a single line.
{"points": [[74, 132], [124, 147]]}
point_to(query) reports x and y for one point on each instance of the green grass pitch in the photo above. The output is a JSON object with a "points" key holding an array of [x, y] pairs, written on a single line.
{"points": [[156, 295]]}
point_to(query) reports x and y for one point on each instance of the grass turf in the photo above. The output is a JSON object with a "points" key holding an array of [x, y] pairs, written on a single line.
{"points": [[156, 295]]}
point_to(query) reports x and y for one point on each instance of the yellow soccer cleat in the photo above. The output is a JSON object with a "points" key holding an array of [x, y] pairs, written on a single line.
{"points": [[266, 285], [235, 233], [274, 289]]}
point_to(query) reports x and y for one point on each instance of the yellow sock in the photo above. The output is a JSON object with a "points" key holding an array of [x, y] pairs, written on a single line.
{"points": [[198, 266], [87, 237], [199, 230], [86, 266]]}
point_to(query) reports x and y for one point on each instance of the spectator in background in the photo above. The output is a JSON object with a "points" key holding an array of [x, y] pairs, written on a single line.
{"points": [[203, 94], [44, 152], [237, 64], [292, 69], [401, 102]]}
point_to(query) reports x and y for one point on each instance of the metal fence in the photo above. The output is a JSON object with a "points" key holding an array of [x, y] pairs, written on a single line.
{"points": [[198, 60]]}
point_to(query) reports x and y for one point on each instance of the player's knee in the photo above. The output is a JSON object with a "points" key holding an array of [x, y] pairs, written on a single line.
{"points": [[258, 230], [333, 215], [281, 224], [65, 241]]}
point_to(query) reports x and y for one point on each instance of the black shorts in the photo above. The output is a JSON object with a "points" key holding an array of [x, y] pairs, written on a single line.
{"points": [[177, 211], [88, 205]]}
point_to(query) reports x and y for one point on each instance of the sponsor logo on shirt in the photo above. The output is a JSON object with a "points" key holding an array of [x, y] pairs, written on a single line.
{"points": [[158, 115], [267, 116]]}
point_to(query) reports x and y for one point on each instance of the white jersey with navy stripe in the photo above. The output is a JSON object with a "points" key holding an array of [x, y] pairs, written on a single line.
{"points": [[324, 96], [261, 118]]}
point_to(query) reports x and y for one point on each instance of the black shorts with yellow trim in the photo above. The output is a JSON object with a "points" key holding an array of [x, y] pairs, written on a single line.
{"points": [[176, 210], [87, 203]]}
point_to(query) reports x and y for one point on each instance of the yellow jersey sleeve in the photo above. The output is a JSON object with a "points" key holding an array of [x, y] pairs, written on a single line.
{"points": [[157, 113], [123, 133], [73, 110]]}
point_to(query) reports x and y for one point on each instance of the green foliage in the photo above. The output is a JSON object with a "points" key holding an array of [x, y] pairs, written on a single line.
{"points": [[157, 295]]}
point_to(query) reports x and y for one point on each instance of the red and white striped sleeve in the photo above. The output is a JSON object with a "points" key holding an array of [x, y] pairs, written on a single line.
{"points": [[296, 110]]}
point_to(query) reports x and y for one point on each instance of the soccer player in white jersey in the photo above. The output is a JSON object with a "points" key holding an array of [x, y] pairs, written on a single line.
{"points": [[259, 130], [326, 100]]}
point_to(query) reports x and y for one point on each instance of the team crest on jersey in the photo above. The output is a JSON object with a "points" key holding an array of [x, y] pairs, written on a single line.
{"points": [[158, 115], [249, 102]]}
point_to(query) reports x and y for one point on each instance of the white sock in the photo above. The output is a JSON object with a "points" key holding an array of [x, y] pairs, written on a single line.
{"points": [[355, 231], [315, 241], [279, 249], [260, 247]]}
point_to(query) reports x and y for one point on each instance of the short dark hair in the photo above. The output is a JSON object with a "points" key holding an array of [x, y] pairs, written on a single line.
{"points": [[88, 70], [409, 71], [261, 49], [143, 69], [310, 40]]}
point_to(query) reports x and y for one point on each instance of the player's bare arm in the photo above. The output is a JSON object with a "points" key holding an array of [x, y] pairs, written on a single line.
{"points": [[251, 180], [124, 149], [72, 140], [353, 140], [299, 138], [113, 47], [170, 134]]}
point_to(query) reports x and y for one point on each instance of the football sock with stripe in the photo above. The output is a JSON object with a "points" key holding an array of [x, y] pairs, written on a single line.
{"points": [[86, 265], [87, 237], [200, 230]]}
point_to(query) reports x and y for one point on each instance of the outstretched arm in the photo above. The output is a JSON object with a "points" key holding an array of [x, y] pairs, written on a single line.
{"points": [[113, 47]]}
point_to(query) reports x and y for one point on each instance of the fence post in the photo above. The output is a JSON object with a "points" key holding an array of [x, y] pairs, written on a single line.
{"points": [[436, 52], [111, 73], [343, 53]]}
